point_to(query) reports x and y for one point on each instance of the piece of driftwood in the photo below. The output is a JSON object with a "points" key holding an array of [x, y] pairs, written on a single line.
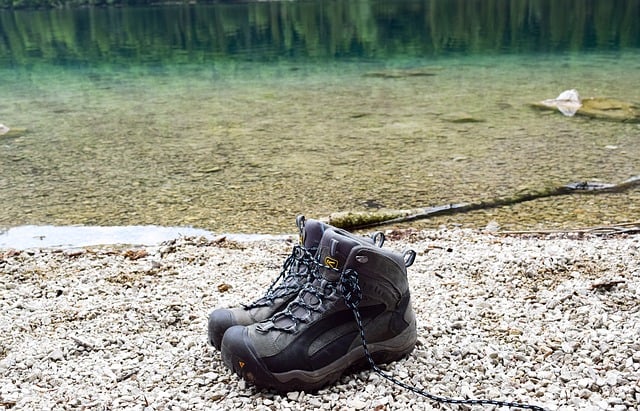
{"points": [[366, 219]]}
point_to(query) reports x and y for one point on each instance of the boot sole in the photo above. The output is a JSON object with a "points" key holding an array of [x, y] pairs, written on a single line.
{"points": [[245, 363]]}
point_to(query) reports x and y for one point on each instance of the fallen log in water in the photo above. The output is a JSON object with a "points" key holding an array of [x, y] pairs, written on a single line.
{"points": [[366, 219]]}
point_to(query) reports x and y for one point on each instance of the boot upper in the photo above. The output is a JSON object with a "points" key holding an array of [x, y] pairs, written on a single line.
{"points": [[317, 327]]}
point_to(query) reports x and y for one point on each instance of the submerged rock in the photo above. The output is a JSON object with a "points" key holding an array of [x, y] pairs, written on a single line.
{"points": [[11, 132], [461, 117], [400, 73], [569, 103]]}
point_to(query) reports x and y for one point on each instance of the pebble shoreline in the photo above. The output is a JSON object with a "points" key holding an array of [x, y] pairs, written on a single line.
{"points": [[549, 320]]}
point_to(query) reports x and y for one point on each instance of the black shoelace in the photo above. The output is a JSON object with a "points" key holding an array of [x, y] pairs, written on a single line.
{"points": [[290, 269], [311, 299], [350, 289]]}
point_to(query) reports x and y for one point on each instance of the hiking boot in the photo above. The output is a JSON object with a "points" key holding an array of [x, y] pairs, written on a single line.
{"points": [[295, 274], [317, 338]]}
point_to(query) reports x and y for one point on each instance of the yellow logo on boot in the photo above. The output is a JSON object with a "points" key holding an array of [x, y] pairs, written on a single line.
{"points": [[330, 262]]}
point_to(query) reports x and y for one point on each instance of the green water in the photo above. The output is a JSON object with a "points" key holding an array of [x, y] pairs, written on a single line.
{"points": [[235, 118]]}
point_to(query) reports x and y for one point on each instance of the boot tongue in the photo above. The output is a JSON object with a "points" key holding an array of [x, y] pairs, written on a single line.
{"points": [[311, 234], [333, 253]]}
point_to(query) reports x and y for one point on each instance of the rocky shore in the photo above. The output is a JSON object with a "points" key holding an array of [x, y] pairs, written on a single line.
{"points": [[549, 320]]}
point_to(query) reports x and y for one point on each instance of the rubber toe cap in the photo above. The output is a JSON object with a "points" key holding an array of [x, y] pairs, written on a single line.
{"points": [[220, 321], [240, 357]]}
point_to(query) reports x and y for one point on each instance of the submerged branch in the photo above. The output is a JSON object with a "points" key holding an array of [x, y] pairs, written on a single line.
{"points": [[358, 220], [622, 228]]}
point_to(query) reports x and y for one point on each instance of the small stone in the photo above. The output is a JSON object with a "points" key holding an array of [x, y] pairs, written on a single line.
{"points": [[492, 226], [458, 325], [357, 404], [568, 347], [585, 382], [56, 355], [210, 375], [74, 252], [315, 402], [461, 117], [612, 379], [585, 393]]}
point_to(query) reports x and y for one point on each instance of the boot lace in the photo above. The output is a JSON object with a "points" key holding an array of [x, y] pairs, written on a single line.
{"points": [[350, 289], [291, 275], [312, 298]]}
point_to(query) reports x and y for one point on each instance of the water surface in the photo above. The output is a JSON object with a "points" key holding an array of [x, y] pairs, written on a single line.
{"points": [[235, 118]]}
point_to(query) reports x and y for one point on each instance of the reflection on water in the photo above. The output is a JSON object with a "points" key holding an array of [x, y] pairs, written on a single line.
{"points": [[290, 31], [238, 117]]}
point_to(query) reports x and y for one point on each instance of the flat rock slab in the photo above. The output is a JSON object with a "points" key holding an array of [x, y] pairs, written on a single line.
{"points": [[603, 108], [13, 133]]}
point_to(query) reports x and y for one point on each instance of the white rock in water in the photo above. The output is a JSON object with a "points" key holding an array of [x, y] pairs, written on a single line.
{"points": [[568, 102], [4, 129]]}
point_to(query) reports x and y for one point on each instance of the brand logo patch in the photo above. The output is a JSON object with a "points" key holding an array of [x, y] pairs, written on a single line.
{"points": [[241, 364], [330, 262]]}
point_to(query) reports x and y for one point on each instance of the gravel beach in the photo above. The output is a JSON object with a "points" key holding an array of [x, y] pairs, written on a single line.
{"points": [[552, 320]]}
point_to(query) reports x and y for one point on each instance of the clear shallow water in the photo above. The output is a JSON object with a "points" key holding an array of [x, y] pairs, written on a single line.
{"points": [[25, 237], [237, 118]]}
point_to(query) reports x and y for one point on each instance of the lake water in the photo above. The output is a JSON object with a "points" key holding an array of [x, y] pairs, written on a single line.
{"points": [[238, 117]]}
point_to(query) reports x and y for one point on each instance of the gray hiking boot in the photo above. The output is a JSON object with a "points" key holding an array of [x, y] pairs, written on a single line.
{"points": [[317, 338], [295, 274]]}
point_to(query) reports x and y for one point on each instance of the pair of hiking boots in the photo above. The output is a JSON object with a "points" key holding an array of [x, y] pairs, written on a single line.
{"points": [[336, 290]]}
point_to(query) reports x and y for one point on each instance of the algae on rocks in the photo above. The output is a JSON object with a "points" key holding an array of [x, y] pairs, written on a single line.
{"points": [[351, 219]]}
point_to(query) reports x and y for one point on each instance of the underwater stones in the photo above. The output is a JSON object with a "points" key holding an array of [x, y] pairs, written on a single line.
{"points": [[569, 103], [401, 73], [461, 117]]}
